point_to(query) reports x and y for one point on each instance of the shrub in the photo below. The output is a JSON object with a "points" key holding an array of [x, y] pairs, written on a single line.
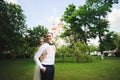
{"points": [[117, 54], [86, 58], [80, 50]]}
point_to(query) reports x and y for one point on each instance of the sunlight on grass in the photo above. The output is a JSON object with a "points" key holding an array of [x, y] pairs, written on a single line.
{"points": [[23, 69]]}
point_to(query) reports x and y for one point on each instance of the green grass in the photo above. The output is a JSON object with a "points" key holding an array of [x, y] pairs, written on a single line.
{"points": [[23, 69], [16, 69]]}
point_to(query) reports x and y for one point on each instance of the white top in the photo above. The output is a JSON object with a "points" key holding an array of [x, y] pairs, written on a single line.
{"points": [[50, 57]]}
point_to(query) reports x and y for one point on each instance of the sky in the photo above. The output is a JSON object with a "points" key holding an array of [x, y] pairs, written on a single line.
{"points": [[44, 12], [47, 12]]}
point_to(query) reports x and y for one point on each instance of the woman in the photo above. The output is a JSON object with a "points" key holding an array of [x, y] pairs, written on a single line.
{"points": [[37, 69]]}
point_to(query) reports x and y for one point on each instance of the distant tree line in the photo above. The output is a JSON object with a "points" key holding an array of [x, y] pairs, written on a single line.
{"points": [[89, 21], [83, 23], [16, 40]]}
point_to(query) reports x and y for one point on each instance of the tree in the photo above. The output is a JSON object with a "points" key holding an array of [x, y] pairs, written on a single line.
{"points": [[63, 51], [92, 48], [79, 49], [100, 24], [68, 18], [108, 41], [78, 22], [31, 40], [116, 41], [33, 35], [88, 21], [12, 28]]}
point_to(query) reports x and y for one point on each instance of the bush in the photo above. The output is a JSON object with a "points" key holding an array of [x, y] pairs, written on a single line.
{"points": [[105, 54], [86, 58], [80, 49], [117, 54]]}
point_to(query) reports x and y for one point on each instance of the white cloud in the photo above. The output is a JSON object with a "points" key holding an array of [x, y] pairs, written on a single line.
{"points": [[114, 18], [12, 1]]}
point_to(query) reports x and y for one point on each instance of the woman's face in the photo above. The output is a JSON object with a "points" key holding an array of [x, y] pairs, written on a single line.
{"points": [[41, 41]]}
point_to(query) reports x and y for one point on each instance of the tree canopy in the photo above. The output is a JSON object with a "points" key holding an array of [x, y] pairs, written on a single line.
{"points": [[88, 21], [16, 40]]}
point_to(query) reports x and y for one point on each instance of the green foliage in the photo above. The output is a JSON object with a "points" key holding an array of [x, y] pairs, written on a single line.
{"points": [[68, 13], [33, 35], [108, 41], [12, 28], [77, 52], [116, 41], [87, 21], [15, 39], [73, 19], [62, 51], [92, 48], [80, 49], [101, 9], [111, 41]]}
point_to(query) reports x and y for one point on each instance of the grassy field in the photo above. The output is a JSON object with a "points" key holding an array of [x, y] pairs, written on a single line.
{"points": [[23, 69]]}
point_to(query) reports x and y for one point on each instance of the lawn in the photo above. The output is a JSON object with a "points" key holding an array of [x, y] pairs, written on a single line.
{"points": [[23, 69]]}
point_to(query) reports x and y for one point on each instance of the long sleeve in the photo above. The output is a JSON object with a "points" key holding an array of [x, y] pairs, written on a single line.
{"points": [[38, 54]]}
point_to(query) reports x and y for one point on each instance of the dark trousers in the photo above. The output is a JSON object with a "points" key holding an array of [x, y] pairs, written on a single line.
{"points": [[49, 73]]}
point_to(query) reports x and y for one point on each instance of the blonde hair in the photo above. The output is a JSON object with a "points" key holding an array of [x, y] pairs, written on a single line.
{"points": [[49, 33], [43, 38]]}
